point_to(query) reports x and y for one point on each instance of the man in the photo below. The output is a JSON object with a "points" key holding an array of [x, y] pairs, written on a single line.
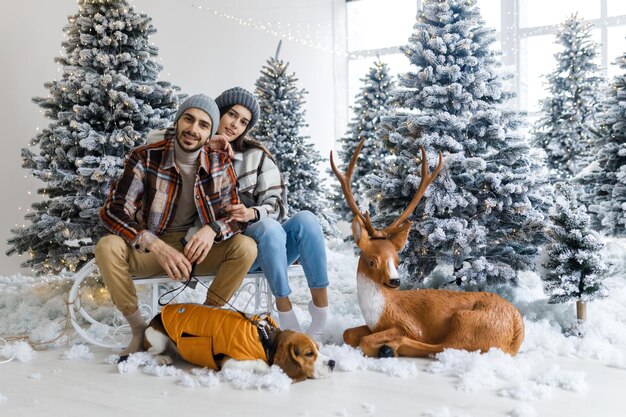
{"points": [[168, 211]]}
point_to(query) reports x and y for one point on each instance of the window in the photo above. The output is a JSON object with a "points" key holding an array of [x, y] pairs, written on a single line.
{"points": [[359, 68], [536, 61], [616, 7], [538, 24], [526, 30], [374, 24], [616, 49], [377, 28], [533, 13], [492, 13]]}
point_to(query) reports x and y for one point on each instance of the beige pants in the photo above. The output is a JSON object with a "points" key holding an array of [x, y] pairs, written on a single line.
{"points": [[119, 263]]}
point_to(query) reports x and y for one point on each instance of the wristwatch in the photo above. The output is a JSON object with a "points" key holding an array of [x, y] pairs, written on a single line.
{"points": [[257, 215], [216, 228]]}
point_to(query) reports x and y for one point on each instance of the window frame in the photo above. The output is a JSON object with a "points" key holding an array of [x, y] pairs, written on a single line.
{"points": [[510, 37]]}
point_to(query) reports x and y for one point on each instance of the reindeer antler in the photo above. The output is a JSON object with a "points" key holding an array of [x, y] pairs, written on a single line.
{"points": [[344, 180], [426, 180]]}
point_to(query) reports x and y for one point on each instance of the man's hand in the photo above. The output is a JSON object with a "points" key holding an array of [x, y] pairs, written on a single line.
{"points": [[240, 213], [221, 143], [172, 261], [198, 247]]}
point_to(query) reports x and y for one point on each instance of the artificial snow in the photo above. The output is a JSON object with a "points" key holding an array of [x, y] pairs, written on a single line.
{"points": [[78, 352], [349, 359], [523, 377], [20, 351], [273, 380], [205, 377], [112, 359], [135, 361], [36, 307]]}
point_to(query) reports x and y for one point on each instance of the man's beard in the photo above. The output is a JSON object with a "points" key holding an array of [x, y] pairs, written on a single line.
{"points": [[185, 147]]}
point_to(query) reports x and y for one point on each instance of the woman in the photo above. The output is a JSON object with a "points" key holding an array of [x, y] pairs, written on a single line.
{"points": [[279, 242]]}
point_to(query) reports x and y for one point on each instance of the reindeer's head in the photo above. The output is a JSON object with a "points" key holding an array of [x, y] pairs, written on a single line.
{"points": [[379, 248], [379, 256]]}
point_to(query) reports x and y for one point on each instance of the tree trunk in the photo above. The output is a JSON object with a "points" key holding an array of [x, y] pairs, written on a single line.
{"points": [[581, 310]]}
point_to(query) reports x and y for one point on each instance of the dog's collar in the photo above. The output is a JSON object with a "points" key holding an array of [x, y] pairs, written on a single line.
{"points": [[266, 332]]}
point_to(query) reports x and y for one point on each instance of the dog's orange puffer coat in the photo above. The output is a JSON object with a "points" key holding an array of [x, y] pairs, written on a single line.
{"points": [[201, 332]]}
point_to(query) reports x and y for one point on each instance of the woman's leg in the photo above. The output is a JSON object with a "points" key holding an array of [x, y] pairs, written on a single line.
{"points": [[305, 241], [272, 260], [271, 257]]}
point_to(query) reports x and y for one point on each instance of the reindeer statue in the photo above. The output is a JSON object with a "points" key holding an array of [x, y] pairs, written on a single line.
{"points": [[417, 322]]}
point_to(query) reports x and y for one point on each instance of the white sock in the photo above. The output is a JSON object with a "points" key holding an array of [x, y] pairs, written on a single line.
{"points": [[287, 320], [318, 320]]}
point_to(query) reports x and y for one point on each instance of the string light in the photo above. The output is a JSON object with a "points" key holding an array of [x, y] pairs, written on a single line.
{"points": [[286, 31]]}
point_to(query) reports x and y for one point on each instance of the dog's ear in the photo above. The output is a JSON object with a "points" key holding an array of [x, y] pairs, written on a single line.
{"points": [[294, 351], [288, 357], [296, 360]]}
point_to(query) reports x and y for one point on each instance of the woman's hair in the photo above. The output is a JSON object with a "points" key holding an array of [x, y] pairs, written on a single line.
{"points": [[244, 142]]}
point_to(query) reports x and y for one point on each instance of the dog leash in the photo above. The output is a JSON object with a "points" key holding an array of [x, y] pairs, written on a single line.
{"points": [[265, 327], [189, 283], [192, 283], [262, 322]]}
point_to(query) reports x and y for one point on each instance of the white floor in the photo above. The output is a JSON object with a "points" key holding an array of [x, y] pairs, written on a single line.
{"points": [[50, 386]]}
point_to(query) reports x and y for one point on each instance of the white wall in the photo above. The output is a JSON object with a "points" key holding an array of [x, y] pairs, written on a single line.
{"points": [[201, 52]]}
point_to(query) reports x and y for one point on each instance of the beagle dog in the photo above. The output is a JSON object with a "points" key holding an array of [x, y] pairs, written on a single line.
{"points": [[218, 339]]}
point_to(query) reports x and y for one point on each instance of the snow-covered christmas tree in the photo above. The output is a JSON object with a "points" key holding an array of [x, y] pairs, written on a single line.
{"points": [[108, 97], [567, 128], [573, 266], [607, 199], [370, 106], [484, 214], [282, 117]]}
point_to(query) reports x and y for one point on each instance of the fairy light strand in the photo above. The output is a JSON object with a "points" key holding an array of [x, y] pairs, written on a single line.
{"points": [[300, 34]]}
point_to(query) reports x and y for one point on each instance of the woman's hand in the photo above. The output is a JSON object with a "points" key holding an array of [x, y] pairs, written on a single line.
{"points": [[221, 143], [241, 213]]}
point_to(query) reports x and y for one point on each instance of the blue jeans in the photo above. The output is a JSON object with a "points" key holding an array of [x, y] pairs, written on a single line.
{"points": [[280, 245]]}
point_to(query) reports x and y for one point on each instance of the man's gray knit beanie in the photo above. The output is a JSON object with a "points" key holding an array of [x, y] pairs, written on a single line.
{"points": [[202, 102], [238, 95]]}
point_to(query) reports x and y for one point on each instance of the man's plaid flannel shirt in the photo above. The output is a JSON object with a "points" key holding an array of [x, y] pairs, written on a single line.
{"points": [[142, 203]]}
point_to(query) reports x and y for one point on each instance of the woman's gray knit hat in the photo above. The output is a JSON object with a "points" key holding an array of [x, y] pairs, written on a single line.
{"points": [[202, 102], [238, 95]]}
